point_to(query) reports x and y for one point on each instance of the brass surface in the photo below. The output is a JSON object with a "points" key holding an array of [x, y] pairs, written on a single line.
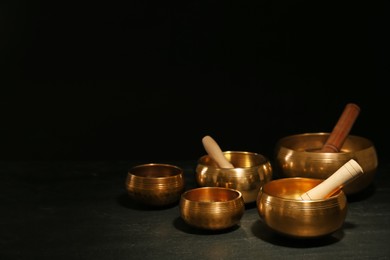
{"points": [[250, 172], [212, 208], [297, 156], [155, 184], [281, 209]]}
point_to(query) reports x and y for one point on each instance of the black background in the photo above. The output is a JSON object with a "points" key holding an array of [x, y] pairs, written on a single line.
{"points": [[147, 80]]}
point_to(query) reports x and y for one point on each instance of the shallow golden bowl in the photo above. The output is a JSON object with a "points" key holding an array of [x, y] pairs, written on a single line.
{"points": [[212, 208], [250, 172], [155, 184], [296, 156], [281, 209]]}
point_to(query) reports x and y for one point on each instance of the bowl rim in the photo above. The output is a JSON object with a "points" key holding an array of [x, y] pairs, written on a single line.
{"points": [[176, 170], [280, 143], [336, 195], [236, 198], [322, 134], [265, 158]]}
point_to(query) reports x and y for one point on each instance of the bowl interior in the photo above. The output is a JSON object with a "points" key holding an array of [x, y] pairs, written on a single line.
{"points": [[240, 159], [155, 170], [291, 188], [311, 142], [211, 194]]}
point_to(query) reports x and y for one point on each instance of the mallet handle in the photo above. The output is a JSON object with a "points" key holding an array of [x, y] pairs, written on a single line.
{"points": [[346, 173], [341, 130], [215, 152]]}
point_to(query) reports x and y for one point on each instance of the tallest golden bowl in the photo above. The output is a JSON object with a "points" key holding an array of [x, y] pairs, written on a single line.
{"points": [[297, 156]]}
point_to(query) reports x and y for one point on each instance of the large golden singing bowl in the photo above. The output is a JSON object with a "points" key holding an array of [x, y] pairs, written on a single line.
{"points": [[213, 208], [282, 210], [155, 184], [296, 156], [250, 172]]}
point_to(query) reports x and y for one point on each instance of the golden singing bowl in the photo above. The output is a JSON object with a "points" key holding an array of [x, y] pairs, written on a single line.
{"points": [[212, 208], [250, 172], [282, 210], [296, 156], [155, 184]]}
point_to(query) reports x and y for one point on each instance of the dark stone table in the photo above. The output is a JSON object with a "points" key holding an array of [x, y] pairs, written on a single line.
{"points": [[80, 210]]}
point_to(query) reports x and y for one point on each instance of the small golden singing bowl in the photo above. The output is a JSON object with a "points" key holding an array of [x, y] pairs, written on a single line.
{"points": [[155, 184], [282, 210], [297, 156], [213, 208], [250, 172]]}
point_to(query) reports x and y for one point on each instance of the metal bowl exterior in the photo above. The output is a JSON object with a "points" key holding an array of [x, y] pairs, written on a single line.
{"points": [[281, 210], [155, 184], [252, 170], [212, 208], [295, 156]]}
